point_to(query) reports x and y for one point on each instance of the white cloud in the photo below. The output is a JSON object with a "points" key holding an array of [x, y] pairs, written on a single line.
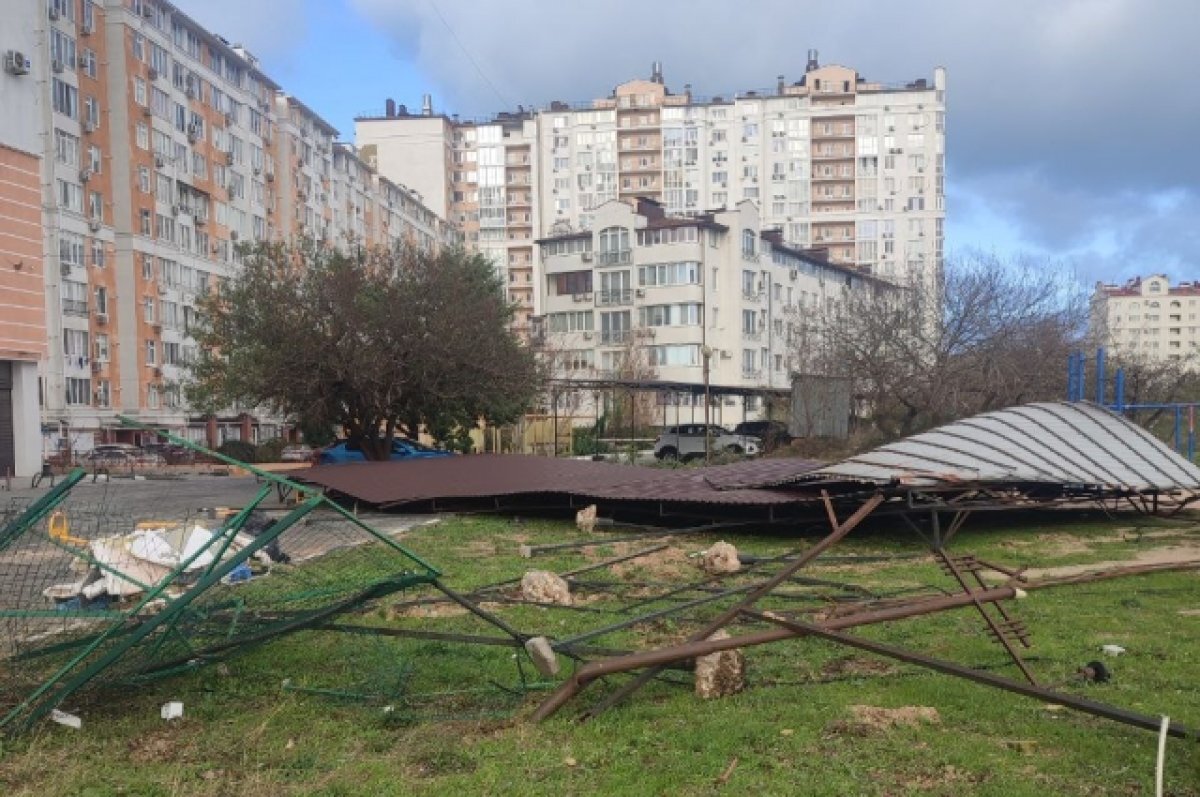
{"points": [[272, 30]]}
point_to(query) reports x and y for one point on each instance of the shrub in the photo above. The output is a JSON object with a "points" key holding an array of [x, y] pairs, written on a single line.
{"points": [[270, 450], [239, 450]]}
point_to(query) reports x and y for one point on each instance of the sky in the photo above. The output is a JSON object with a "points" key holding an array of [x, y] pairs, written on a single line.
{"points": [[1072, 125]]}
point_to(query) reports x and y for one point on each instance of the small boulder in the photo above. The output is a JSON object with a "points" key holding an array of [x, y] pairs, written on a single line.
{"points": [[585, 519], [722, 673], [720, 558], [542, 586]]}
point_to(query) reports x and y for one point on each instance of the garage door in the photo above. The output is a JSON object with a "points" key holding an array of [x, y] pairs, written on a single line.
{"points": [[8, 456]]}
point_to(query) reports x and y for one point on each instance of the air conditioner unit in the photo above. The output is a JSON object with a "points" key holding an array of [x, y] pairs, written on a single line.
{"points": [[101, 318], [228, 158], [16, 63], [270, 177], [85, 175], [726, 354], [200, 221], [86, 28], [586, 257], [96, 366], [147, 111], [159, 161], [257, 171], [89, 127], [56, 65], [152, 73], [176, 210], [233, 235], [587, 335], [65, 269], [53, 14], [639, 293], [162, 290], [94, 225]]}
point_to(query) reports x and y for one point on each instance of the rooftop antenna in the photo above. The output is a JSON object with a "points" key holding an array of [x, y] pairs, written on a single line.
{"points": [[812, 61]]}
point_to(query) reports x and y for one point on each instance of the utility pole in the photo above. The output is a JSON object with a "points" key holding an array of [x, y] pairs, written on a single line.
{"points": [[707, 352]]}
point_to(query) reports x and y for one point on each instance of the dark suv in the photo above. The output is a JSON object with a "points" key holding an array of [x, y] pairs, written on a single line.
{"points": [[772, 433]]}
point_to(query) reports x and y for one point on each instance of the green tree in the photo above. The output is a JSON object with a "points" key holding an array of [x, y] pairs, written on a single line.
{"points": [[380, 342]]}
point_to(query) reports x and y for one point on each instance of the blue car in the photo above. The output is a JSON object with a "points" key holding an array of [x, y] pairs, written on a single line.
{"points": [[402, 448]]}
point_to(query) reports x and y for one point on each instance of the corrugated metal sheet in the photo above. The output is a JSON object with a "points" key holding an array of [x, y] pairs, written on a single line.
{"points": [[1050, 443], [754, 473], [494, 475]]}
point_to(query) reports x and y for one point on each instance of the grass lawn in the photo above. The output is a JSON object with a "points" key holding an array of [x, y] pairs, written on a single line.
{"points": [[445, 719]]}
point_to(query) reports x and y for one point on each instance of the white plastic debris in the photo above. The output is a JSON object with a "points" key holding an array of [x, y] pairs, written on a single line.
{"points": [[1112, 650], [172, 710], [63, 718]]}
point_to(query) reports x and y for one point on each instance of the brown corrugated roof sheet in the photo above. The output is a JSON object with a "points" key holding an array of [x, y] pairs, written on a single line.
{"points": [[489, 475]]}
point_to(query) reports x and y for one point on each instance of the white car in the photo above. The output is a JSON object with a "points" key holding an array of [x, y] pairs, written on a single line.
{"points": [[686, 441]]}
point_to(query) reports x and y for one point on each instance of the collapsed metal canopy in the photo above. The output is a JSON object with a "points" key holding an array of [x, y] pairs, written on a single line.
{"points": [[1055, 443]]}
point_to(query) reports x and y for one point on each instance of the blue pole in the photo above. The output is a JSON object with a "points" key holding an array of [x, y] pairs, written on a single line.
{"points": [[1178, 422], [1191, 434], [1120, 390], [1100, 376]]}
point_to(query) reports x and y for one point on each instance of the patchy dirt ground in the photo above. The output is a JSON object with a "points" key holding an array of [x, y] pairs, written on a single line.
{"points": [[869, 720]]}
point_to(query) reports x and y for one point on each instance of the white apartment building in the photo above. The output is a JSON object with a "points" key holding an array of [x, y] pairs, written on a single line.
{"points": [[832, 160], [644, 295], [1148, 318]]}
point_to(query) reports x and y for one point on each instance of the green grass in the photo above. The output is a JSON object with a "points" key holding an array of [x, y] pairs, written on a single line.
{"points": [[452, 729]]}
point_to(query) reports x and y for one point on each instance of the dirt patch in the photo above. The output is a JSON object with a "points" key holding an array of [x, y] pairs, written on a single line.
{"points": [[871, 720], [667, 564], [853, 666], [428, 610], [1065, 544], [158, 745], [1189, 612], [1173, 554], [478, 549]]}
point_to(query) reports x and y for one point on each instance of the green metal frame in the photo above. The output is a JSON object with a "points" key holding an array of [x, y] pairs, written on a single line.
{"points": [[39, 508]]}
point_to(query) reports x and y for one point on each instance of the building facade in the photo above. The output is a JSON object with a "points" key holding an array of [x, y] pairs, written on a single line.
{"points": [[832, 160], [22, 291], [1148, 319], [647, 296], [163, 147]]}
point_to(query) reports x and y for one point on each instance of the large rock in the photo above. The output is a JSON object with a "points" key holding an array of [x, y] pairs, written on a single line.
{"points": [[542, 586], [720, 558], [722, 673]]}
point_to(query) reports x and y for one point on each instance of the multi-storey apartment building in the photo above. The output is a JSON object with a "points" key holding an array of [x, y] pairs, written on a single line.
{"points": [[22, 291], [649, 296], [832, 160], [164, 148], [1148, 318]]}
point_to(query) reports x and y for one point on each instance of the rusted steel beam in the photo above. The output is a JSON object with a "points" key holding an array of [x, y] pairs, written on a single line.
{"points": [[688, 650], [1116, 572], [1082, 704], [725, 617]]}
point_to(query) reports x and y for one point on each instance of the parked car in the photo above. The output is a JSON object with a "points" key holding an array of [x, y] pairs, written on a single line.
{"points": [[173, 454], [110, 455], [772, 433], [687, 442], [297, 453], [402, 448]]}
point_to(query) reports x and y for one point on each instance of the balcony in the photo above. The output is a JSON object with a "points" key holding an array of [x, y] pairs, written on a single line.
{"points": [[752, 334], [614, 337], [836, 155], [615, 257], [77, 307], [617, 298]]}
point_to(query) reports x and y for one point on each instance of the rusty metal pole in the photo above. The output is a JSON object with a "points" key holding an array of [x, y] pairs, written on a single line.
{"points": [[689, 650]]}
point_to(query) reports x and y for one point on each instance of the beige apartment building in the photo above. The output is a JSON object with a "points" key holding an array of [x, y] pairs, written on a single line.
{"points": [[1148, 318], [832, 160], [161, 148], [648, 296]]}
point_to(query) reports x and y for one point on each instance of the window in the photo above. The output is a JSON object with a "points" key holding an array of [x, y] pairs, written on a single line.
{"points": [[581, 321], [749, 243], [102, 347], [89, 63], [96, 206], [573, 282], [62, 48], [75, 343], [79, 391], [74, 298], [101, 301], [66, 148], [98, 254], [686, 354], [748, 284], [686, 273], [671, 315], [143, 136], [614, 245], [65, 99], [70, 196], [151, 353]]}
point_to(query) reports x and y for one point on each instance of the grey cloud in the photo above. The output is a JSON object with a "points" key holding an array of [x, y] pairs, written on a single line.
{"points": [[271, 29]]}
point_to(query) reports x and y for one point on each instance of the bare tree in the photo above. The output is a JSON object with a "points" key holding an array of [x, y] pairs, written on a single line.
{"points": [[381, 341], [989, 334]]}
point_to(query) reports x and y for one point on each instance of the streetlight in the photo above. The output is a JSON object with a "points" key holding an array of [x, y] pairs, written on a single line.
{"points": [[707, 352]]}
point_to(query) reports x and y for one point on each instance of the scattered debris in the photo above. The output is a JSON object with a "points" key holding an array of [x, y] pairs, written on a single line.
{"points": [[543, 656], [172, 710], [722, 673], [724, 777], [1112, 650], [542, 586], [1095, 672], [1023, 746], [63, 718], [720, 558]]}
